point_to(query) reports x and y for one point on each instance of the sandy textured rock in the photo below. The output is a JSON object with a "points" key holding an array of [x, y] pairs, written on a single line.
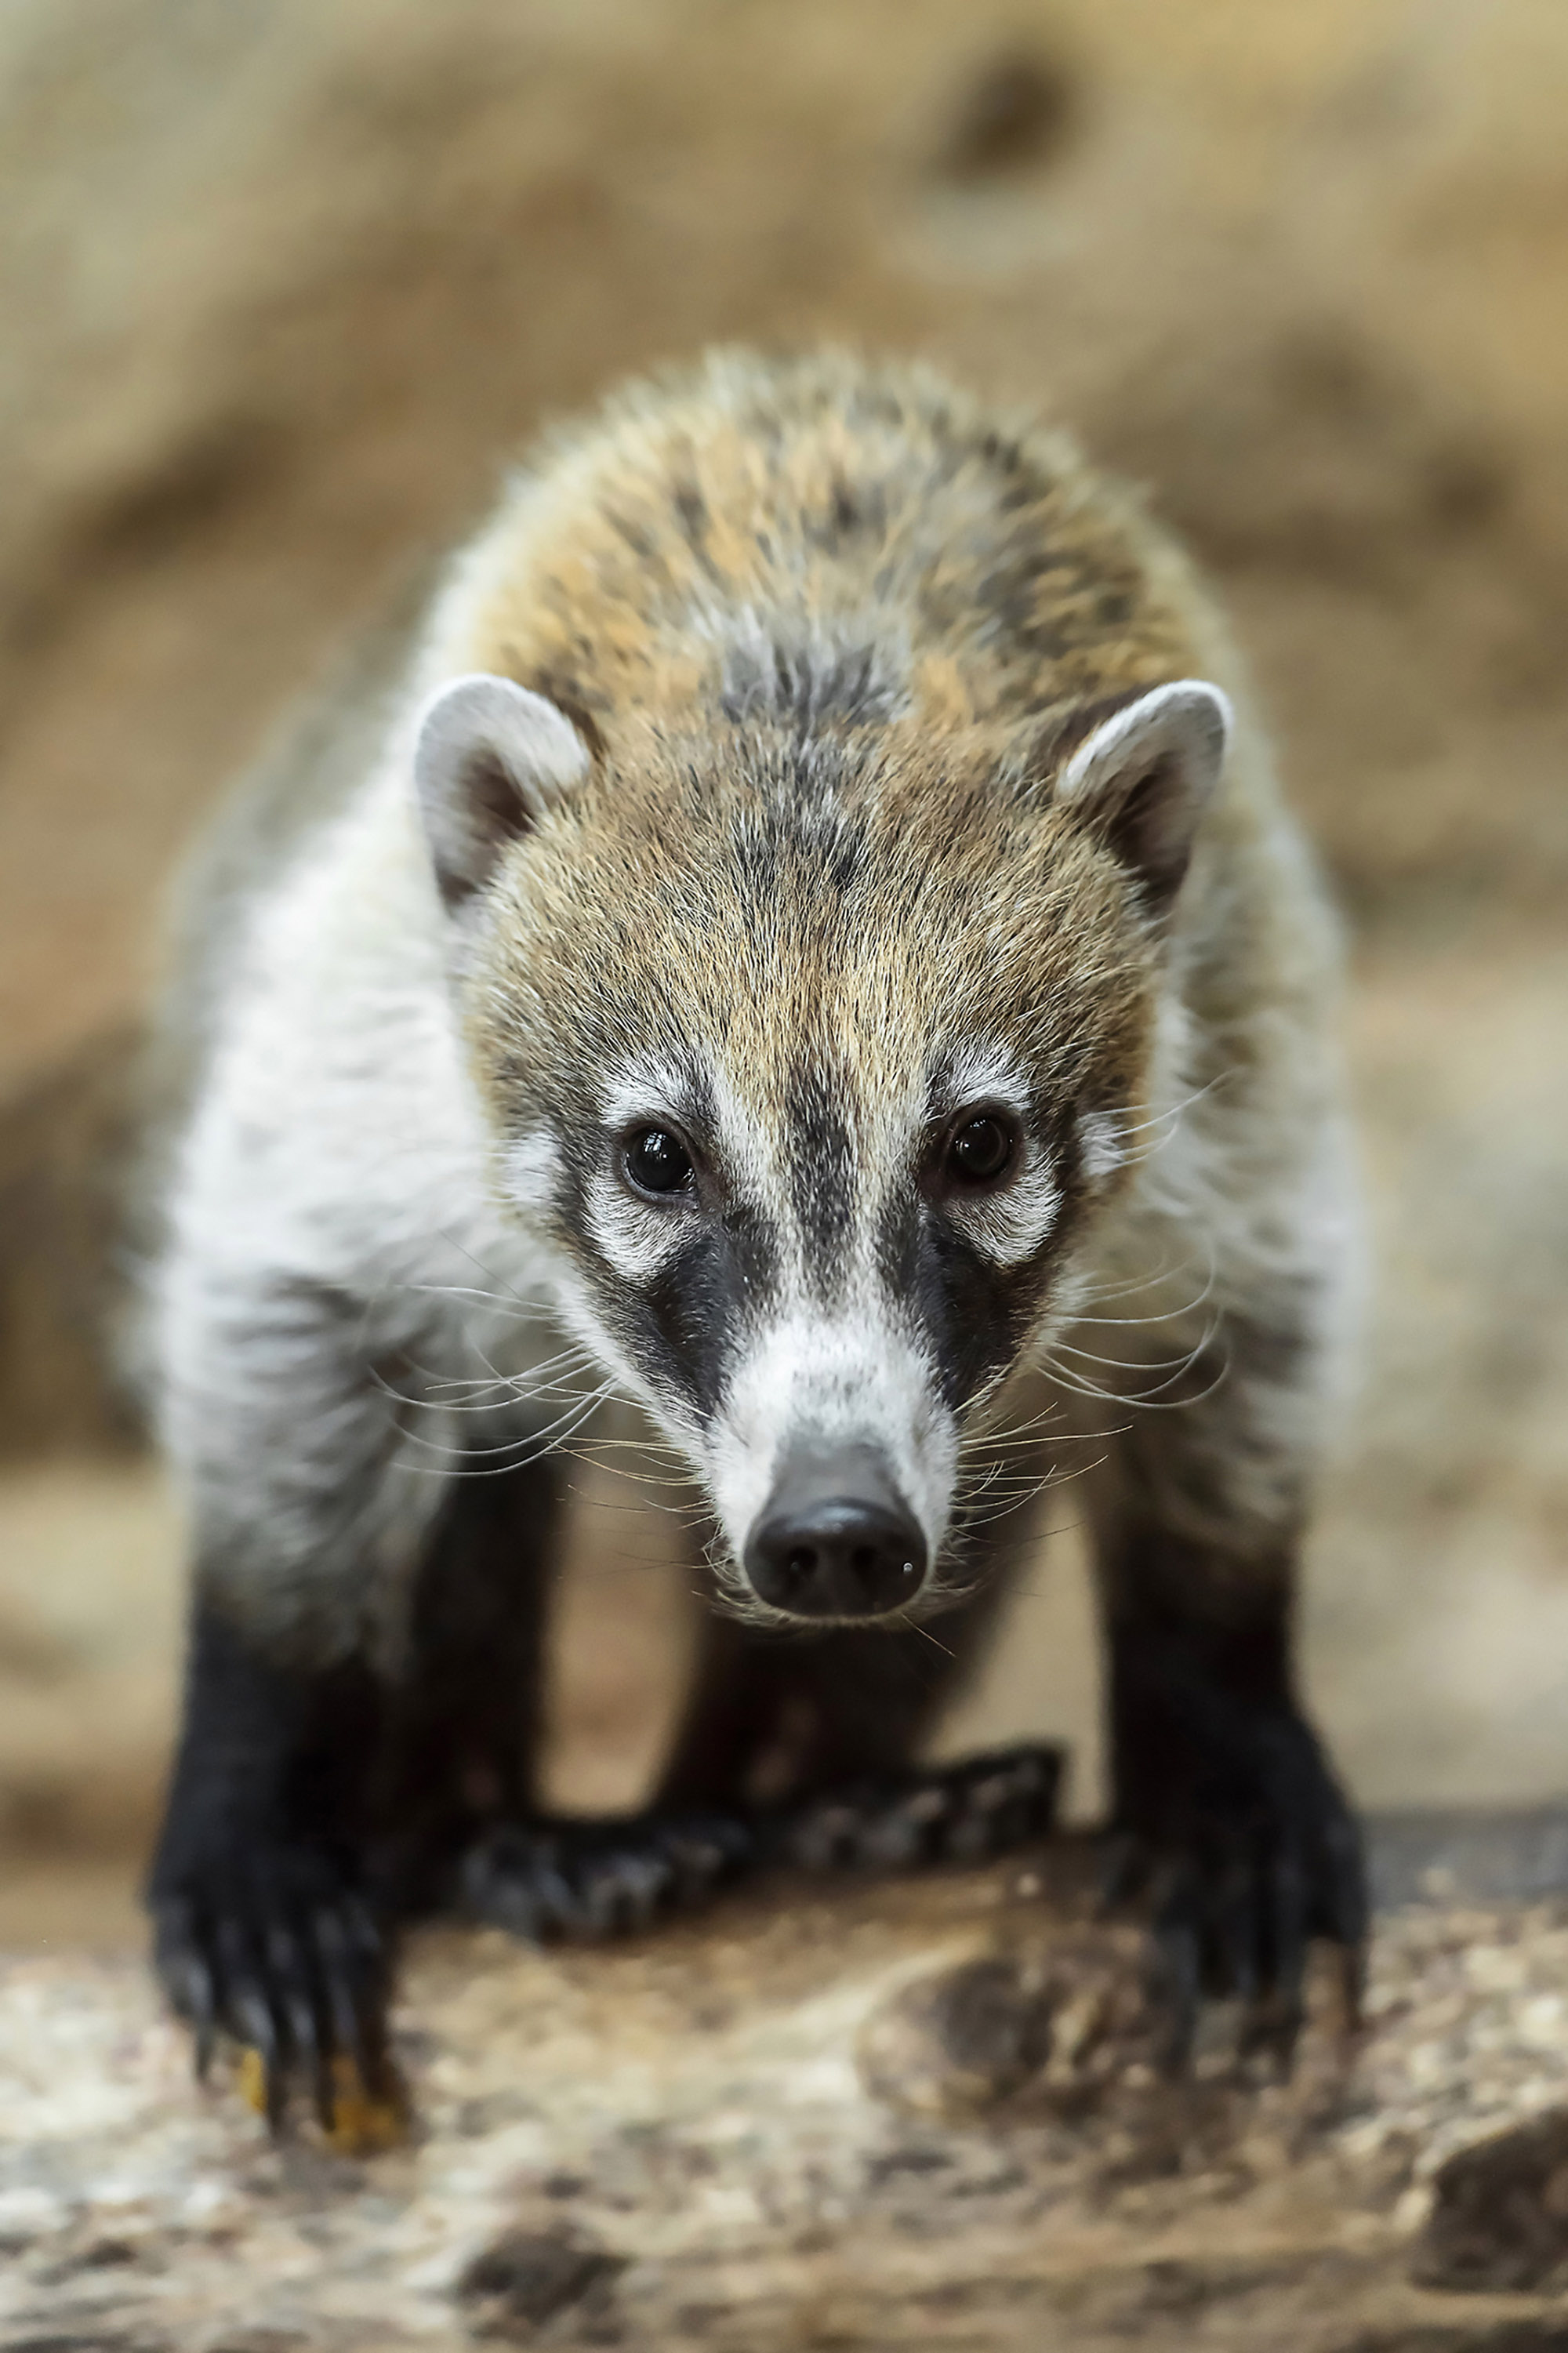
{"points": [[914, 2114], [1500, 2210]]}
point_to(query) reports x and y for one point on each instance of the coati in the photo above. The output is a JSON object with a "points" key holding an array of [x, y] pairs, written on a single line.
{"points": [[811, 945]]}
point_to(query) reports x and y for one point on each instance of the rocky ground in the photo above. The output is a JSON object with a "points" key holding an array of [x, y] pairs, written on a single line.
{"points": [[920, 2114]]}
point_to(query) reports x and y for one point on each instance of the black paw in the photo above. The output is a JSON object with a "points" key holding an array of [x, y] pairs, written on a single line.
{"points": [[982, 1806], [599, 1879], [277, 1951], [1247, 1851]]}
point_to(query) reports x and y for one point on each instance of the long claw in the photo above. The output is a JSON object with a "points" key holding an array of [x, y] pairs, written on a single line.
{"points": [[623, 1890], [1015, 1797], [1345, 1906], [1179, 1951], [703, 1853], [1123, 1873], [205, 2042], [347, 2009], [365, 1931], [288, 1962], [909, 1831], [1351, 1984], [560, 1909], [252, 2019], [188, 1973], [1234, 1920], [1287, 1923], [822, 1837]]}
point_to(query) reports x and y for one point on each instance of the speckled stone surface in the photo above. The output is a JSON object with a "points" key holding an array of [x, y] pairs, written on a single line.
{"points": [[918, 2113]]}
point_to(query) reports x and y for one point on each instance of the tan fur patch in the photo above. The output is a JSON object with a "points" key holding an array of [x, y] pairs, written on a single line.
{"points": [[829, 495], [761, 553]]}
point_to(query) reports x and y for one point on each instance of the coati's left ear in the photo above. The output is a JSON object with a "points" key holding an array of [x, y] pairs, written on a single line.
{"points": [[1141, 781], [489, 758]]}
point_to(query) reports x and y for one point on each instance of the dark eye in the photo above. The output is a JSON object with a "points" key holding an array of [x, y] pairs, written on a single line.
{"points": [[979, 1150], [657, 1162]]}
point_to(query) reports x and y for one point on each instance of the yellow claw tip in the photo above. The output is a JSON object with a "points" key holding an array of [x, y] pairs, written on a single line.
{"points": [[253, 2080], [361, 2126]]}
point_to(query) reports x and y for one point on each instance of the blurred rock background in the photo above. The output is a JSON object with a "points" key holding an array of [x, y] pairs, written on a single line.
{"points": [[283, 286]]}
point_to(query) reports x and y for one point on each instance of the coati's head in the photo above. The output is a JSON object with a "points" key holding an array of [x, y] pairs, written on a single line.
{"points": [[814, 1060]]}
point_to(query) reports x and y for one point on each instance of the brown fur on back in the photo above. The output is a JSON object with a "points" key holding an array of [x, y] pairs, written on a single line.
{"points": [[873, 514]]}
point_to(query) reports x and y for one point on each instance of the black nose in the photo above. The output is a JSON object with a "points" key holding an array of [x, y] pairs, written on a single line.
{"points": [[836, 1540]]}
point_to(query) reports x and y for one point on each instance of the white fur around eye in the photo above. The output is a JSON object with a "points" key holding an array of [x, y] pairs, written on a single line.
{"points": [[1101, 1148], [634, 1237], [654, 1093], [988, 1073], [1006, 1226]]}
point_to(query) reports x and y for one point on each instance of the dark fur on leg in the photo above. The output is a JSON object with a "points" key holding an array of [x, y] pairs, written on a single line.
{"points": [[464, 1833], [1226, 1810], [594, 1879], [266, 1925], [462, 1752], [311, 1812], [590, 1880], [796, 1750], [806, 1743], [776, 1718], [969, 1811]]}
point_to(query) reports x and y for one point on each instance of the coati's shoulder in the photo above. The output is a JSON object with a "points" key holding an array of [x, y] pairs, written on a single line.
{"points": [[266, 827], [822, 539]]}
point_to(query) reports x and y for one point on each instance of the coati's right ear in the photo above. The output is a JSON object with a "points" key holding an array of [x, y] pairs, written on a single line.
{"points": [[1142, 780], [488, 758]]}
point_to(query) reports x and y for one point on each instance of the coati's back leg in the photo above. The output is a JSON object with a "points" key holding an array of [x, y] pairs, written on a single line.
{"points": [[465, 1722], [792, 1750], [816, 1736], [465, 1829]]}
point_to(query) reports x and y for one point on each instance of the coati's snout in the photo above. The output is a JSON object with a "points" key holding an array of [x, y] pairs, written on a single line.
{"points": [[836, 1539], [831, 1459]]}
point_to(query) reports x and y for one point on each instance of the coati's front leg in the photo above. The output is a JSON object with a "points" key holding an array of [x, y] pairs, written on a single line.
{"points": [[319, 1802], [1221, 1784], [362, 1674], [265, 1921], [268, 1924], [1224, 1799], [465, 1718]]}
